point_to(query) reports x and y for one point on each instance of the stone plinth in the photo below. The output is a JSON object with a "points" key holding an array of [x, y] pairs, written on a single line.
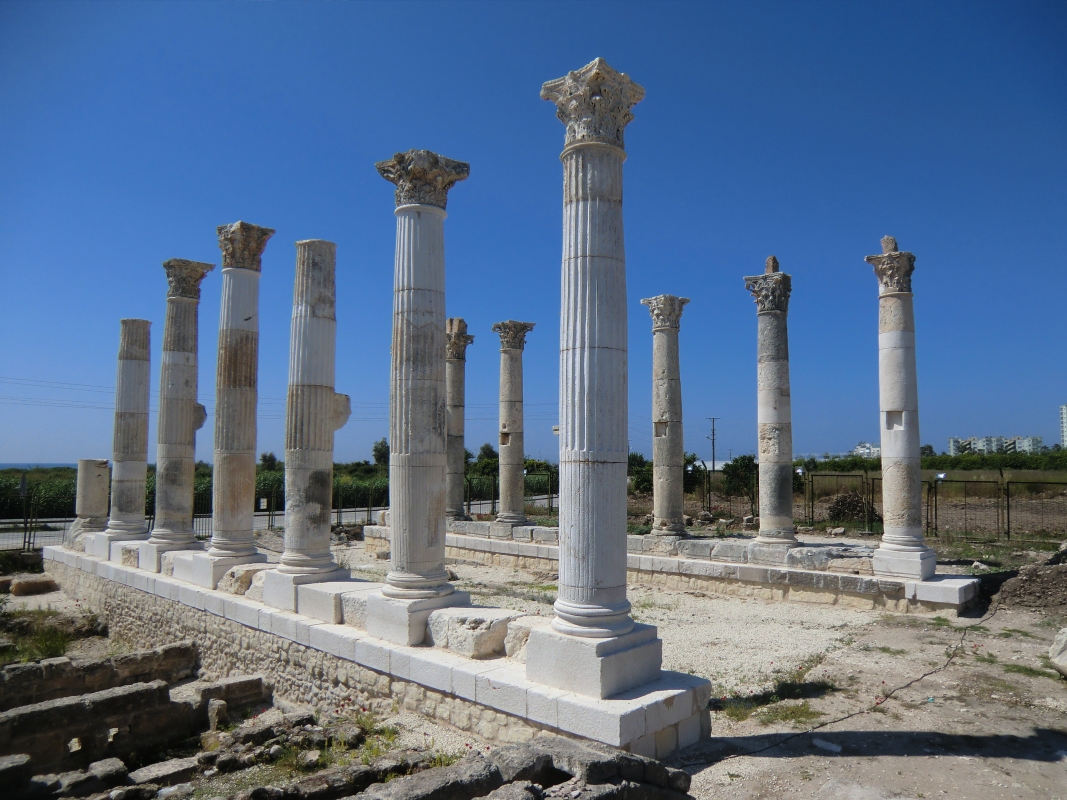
{"points": [[512, 444], [774, 413], [127, 521], [668, 442], [90, 505], [314, 411], [456, 342], [417, 397], [903, 551], [180, 415], [236, 396]]}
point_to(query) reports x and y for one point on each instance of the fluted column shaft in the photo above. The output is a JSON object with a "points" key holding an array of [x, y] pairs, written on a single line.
{"points": [[180, 415], [314, 411], [236, 391], [457, 340], [512, 443], [130, 445], [90, 505], [668, 442]]}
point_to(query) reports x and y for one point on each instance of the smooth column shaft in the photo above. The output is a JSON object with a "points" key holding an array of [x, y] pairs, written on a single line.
{"points": [[775, 429], [130, 446], [90, 505], [457, 339], [512, 443], [314, 411], [180, 415]]}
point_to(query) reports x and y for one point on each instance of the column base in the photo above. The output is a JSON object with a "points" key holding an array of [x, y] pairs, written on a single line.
{"points": [[404, 621], [280, 588], [915, 564], [150, 557], [780, 536], [98, 545], [458, 517], [594, 667], [669, 527], [513, 520], [206, 570], [502, 530]]}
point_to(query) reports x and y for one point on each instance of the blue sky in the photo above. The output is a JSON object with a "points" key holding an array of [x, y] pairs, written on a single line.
{"points": [[129, 131]]}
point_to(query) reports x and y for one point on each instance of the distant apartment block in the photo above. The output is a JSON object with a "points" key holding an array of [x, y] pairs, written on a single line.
{"points": [[867, 450], [1063, 426], [987, 445]]}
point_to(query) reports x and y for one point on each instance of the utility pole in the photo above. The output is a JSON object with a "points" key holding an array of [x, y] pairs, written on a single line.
{"points": [[712, 437]]}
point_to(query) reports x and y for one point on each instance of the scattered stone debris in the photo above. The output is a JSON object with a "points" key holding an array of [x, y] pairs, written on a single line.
{"points": [[1036, 586]]}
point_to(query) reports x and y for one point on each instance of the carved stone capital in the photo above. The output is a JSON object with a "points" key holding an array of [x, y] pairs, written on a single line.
{"points": [[513, 334], [242, 245], [893, 267], [666, 310], [771, 290], [456, 338], [594, 103], [184, 277], [422, 177]]}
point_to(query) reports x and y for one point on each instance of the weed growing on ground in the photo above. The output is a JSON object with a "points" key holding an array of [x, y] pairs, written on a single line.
{"points": [[796, 713], [1019, 632], [441, 759], [1033, 672], [890, 651], [740, 707]]}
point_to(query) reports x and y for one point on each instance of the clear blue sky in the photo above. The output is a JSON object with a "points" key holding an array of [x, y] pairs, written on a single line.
{"points": [[129, 131]]}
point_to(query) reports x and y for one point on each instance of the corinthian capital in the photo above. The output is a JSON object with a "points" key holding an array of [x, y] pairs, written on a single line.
{"points": [[594, 103], [184, 277], [666, 310], [892, 267], [513, 334], [422, 177], [242, 245], [456, 338], [771, 289]]}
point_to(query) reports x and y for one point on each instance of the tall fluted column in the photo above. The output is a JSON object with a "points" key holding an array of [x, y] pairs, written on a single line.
{"points": [[774, 415], [314, 411], [90, 505], [594, 103], [512, 445], [668, 443], [180, 415], [456, 341], [417, 400], [130, 448], [902, 552]]}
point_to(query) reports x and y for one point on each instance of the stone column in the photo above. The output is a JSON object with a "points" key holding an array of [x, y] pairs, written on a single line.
{"points": [[668, 443], [903, 552], [456, 341], [417, 581], [180, 415], [234, 478], [313, 412], [774, 415], [90, 507], [512, 447], [130, 442], [592, 623]]}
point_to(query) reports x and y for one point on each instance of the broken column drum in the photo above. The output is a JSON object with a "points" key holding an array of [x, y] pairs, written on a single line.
{"points": [[417, 399], [512, 446], [668, 443], [130, 446], [902, 551], [180, 415], [456, 341], [90, 505], [236, 392], [313, 412], [774, 415]]}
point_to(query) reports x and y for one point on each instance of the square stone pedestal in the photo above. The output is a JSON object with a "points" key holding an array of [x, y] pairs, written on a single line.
{"points": [[917, 564], [98, 545], [206, 570], [280, 589], [150, 556], [404, 621], [594, 667]]}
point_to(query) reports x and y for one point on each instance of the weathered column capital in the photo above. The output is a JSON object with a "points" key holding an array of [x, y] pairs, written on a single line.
{"points": [[666, 310], [242, 245], [771, 289], [184, 277], [893, 267], [456, 338], [423, 177], [594, 103], [513, 334]]}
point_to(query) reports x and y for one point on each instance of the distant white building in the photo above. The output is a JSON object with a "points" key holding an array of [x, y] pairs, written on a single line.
{"points": [[867, 450], [1023, 444], [1063, 426], [988, 445]]}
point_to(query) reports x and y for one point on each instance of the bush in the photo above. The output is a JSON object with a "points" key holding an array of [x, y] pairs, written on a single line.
{"points": [[847, 507]]}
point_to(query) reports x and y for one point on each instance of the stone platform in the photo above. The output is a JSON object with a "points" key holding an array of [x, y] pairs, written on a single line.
{"points": [[824, 573], [327, 663]]}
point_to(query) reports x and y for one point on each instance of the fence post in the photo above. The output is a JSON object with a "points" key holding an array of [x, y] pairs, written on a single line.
{"points": [[1007, 509], [492, 501]]}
